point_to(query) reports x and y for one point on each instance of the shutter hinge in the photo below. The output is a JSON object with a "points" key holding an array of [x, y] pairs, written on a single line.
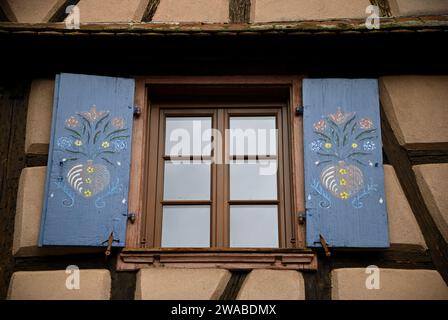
{"points": [[137, 111], [299, 110], [324, 245], [132, 216], [301, 216]]}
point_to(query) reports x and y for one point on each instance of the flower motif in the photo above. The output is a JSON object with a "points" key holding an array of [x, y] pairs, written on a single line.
{"points": [[119, 145], [90, 169], [354, 145], [78, 143], [87, 193], [88, 180], [365, 123], [72, 122], [316, 145], [64, 142], [105, 144], [342, 182], [369, 146], [343, 171], [92, 114], [118, 122], [328, 145], [320, 125], [344, 195], [340, 117]]}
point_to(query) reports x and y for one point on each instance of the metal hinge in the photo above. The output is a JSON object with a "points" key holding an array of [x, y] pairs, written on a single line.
{"points": [[132, 216], [299, 110], [301, 216], [137, 111]]}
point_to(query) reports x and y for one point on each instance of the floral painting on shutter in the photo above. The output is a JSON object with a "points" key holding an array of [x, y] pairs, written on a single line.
{"points": [[89, 162], [345, 201]]}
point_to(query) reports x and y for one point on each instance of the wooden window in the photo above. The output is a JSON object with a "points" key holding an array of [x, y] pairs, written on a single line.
{"points": [[204, 206], [233, 191]]}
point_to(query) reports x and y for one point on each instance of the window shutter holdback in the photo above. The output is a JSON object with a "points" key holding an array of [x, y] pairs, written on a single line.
{"points": [[344, 178], [86, 196]]}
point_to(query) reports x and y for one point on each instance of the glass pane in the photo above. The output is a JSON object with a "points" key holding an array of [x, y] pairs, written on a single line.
{"points": [[186, 226], [187, 180], [253, 226], [253, 180], [188, 136], [253, 136]]}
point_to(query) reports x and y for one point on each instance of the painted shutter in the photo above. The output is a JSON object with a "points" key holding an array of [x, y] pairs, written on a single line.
{"points": [[88, 162], [344, 178]]}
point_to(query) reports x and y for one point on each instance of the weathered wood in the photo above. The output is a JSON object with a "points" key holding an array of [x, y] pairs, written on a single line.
{"points": [[399, 159], [420, 24], [57, 13], [150, 10], [234, 285], [239, 11]]}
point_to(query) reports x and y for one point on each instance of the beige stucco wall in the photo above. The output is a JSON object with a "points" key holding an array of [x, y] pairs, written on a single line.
{"points": [[212, 11], [94, 284], [418, 7], [33, 11], [432, 180], [111, 10], [416, 107], [180, 284], [290, 10], [394, 284]]}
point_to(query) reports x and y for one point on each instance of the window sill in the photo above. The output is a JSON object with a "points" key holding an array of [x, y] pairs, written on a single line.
{"points": [[232, 259]]}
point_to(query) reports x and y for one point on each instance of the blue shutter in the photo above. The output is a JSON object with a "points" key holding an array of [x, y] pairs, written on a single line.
{"points": [[89, 162], [344, 178]]}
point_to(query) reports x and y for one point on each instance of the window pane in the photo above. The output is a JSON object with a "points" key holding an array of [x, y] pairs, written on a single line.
{"points": [[186, 226], [188, 136], [187, 180], [253, 136], [253, 226], [253, 180]]}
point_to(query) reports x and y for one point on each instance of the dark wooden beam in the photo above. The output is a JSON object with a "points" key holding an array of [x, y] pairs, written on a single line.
{"points": [[384, 6], [13, 109], [150, 10], [239, 11], [57, 13], [234, 285], [6, 13], [399, 159], [398, 256], [318, 284], [423, 153]]}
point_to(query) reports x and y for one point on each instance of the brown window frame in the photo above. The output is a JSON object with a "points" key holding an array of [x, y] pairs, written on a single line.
{"points": [[142, 251]]}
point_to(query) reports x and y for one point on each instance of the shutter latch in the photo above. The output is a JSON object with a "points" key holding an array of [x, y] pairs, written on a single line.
{"points": [[109, 244], [299, 110], [324, 245]]}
